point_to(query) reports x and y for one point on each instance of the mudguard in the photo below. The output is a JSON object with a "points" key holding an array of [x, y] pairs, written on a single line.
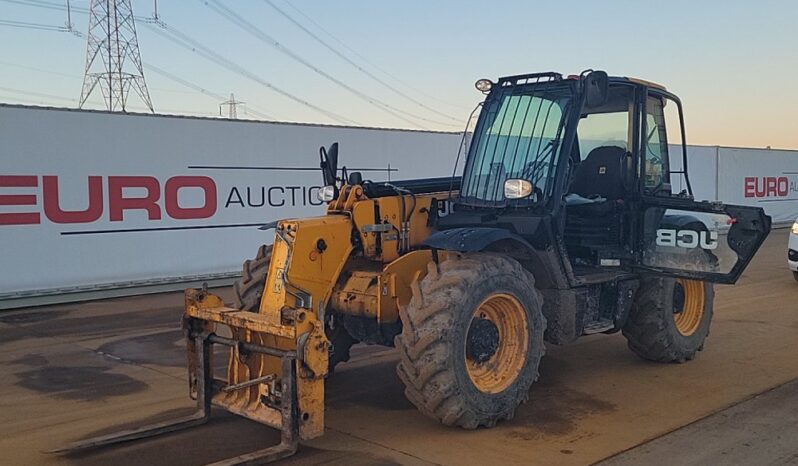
{"points": [[474, 239]]}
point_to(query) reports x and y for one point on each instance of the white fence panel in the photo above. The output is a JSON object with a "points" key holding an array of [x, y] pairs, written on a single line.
{"points": [[701, 167], [760, 177], [93, 198]]}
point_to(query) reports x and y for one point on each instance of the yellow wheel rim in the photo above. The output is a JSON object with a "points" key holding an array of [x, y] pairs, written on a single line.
{"points": [[498, 370], [688, 305]]}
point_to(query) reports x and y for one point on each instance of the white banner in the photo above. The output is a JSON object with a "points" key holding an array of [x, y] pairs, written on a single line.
{"points": [[701, 168], [764, 178], [91, 198]]}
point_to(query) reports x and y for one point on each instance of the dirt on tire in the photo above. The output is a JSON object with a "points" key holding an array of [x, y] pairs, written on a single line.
{"points": [[435, 323], [248, 289], [651, 331]]}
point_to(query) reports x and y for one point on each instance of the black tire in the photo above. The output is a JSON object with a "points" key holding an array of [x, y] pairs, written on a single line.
{"points": [[341, 341], [248, 292], [435, 325], [795, 276], [651, 330], [249, 288]]}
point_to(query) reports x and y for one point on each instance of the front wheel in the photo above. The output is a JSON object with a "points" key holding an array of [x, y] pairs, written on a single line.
{"points": [[669, 319], [472, 340], [795, 276]]}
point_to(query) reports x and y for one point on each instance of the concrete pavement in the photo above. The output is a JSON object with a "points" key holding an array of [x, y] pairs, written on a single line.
{"points": [[76, 370]]}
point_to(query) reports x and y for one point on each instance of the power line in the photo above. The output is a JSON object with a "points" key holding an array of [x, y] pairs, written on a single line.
{"points": [[47, 5], [185, 83], [258, 33], [173, 35], [157, 70], [38, 94], [353, 63], [194, 88], [366, 60], [70, 8], [37, 26], [202, 90], [182, 81], [40, 70]]}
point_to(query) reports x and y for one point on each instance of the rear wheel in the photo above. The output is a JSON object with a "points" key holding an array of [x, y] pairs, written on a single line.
{"points": [[248, 292], [670, 319], [472, 340]]}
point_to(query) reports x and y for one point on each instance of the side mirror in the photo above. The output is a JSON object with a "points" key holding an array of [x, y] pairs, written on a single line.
{"points": [[596, 85], [329, 164]]}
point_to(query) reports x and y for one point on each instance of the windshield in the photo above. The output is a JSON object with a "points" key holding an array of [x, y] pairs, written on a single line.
{"points": [[517, 136]]}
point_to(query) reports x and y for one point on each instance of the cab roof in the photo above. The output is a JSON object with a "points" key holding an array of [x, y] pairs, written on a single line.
{"points": [[549, 76]]}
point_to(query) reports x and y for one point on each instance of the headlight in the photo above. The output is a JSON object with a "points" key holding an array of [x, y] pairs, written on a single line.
{"points": [[795, 228], [517, 189], [327, 193], [484, 85]]}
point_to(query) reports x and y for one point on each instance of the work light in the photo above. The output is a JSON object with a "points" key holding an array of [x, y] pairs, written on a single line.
{"points": [[517, 189], [484, 85], [327, 193]]}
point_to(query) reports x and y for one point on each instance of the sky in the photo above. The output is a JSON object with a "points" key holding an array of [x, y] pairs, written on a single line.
{"points": [[413, 63]]}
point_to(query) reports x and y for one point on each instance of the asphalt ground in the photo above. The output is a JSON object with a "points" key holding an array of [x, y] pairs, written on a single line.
{"points": [[77, 370]]}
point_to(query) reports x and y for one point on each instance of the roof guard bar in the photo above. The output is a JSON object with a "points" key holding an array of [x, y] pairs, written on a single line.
{"points": [[530, 78]]}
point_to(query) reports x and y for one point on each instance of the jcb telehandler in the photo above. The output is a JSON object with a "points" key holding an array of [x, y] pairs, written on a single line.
{"points": [[565, 222]]}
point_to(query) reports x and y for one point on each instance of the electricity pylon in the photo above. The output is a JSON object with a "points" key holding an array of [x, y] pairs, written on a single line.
{"points": [[112, 38], [232, 105]]}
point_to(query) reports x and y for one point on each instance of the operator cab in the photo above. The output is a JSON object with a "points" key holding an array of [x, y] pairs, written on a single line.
{"points": [[616, 140], [575, 176], [589, 146]]}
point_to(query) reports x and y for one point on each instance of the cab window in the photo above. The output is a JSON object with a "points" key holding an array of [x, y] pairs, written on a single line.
{"points": [[655, 144], [603, 129], [608, 124]]}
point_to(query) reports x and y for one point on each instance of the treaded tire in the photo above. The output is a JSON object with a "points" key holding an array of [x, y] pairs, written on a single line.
{"points": [[434, 328], [249, 288], [249, 291], [651, 331], [795, 276]]}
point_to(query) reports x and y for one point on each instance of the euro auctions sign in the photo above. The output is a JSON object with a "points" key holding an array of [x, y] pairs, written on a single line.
{"points": [[766, 178], [95, 200], [773, 187], [111, 198], [154, 200]]}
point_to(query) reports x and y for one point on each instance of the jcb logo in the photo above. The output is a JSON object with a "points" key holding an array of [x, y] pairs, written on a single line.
{"points": [[687, 239], [444, 208]]}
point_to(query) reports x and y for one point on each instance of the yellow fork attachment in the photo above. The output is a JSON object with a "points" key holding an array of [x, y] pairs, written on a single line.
{"points": [[274, 376]]}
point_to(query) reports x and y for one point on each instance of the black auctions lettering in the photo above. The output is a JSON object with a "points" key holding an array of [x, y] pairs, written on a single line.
{"points": [[273, 196]]}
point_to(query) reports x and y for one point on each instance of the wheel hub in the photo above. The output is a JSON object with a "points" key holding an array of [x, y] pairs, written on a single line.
{"points": [[482, 340], [497, 343]]}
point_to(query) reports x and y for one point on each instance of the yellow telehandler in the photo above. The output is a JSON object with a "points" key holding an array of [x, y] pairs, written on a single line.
{"points": [[566, 221]]}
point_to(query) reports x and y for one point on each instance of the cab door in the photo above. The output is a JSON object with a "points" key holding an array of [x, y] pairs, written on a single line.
{"points": [[678, 236]]}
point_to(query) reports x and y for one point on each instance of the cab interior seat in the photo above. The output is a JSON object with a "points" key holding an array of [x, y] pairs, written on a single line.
{"points": [[594, 206]]}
